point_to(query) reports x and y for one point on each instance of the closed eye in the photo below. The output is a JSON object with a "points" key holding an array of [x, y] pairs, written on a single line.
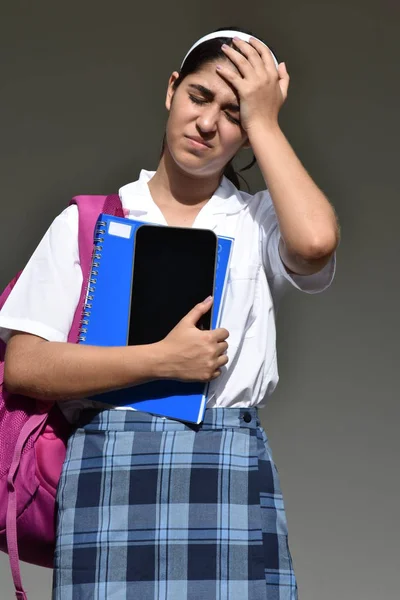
{"points": [[232, 119], [201, 102], [197, 100]]}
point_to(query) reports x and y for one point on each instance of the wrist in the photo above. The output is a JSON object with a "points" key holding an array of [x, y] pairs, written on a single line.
{"points": [[159, 363], [263, 131], [145, 362]]}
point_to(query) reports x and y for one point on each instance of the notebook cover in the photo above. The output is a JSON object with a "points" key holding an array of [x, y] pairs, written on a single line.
{"points": [[107, 318]]}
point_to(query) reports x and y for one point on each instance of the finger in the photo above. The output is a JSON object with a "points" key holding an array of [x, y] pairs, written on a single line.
{"points": [[232, 78], [252, 54], [216, 374], [241, 63], [220, 335], [222, 348], [222, 360], [284, 80], [198, 311], [265, 53]]}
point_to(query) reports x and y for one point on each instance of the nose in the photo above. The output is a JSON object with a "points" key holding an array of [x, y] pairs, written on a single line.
{"points": [[207, 120]]}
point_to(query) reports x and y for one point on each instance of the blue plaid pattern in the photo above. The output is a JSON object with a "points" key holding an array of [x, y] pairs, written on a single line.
{"points": [[154, 509]]}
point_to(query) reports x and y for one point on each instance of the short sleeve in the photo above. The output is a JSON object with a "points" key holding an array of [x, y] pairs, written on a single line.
{"points": [[44, 299], [279, 278]]}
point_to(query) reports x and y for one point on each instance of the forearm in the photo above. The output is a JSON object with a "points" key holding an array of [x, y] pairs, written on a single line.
{"points": [[307, 221], [56, 371]]}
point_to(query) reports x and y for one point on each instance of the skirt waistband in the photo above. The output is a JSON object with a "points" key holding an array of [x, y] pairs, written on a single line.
{"points": [[132, 420]]}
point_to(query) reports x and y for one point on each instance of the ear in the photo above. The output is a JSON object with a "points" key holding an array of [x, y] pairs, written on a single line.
{"points": [[170, 91]]}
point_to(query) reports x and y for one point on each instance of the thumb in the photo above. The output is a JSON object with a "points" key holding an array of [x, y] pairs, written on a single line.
{"points": [[284, 80], [198, 311], [282, 70]]}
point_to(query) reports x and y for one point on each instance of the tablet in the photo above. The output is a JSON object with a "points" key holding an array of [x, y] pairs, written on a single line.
{"points": [[173, 270]]}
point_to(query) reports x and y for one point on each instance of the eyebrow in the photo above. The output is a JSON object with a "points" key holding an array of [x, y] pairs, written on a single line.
{"points": [[209, 95]]}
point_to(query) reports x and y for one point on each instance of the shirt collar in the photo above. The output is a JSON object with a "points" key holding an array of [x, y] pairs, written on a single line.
{"points": [[136, 198]]}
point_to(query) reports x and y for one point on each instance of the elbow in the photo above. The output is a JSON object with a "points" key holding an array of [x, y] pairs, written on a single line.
{"points": [[321, 249], [19, 380], [18, 374], [12, 382], [21, 355], [325, 244], [18, 383], [15, 377]]}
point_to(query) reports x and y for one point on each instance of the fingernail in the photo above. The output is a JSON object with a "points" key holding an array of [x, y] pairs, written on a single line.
{"points": [[207, 300]]}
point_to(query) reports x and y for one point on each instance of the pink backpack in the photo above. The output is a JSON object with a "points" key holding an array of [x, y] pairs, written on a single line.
{"points": [[33, 436]]}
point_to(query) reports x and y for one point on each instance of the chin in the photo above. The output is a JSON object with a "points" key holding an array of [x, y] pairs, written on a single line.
{"points": [[195, 165]]}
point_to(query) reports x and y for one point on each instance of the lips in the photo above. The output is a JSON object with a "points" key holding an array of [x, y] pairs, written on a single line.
{"points": [[200, 143]]}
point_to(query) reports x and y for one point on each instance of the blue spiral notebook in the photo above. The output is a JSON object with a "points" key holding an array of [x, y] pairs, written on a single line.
{"points": [[106, 319]]}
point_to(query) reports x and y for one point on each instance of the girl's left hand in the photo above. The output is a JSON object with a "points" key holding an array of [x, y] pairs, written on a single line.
{"points": [[261, 87]]}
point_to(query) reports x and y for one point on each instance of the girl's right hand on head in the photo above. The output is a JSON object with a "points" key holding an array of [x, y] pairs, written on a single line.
{"points": [[191, 354]]}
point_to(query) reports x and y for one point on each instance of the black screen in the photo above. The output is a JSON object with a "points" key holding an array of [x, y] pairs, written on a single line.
{"points": [[173, 270]]}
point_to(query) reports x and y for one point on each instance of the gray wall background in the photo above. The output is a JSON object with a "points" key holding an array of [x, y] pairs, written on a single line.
{"points": [[82, 110]]}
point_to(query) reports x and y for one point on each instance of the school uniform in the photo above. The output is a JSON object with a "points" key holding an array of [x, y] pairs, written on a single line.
{"points": [[153, 508]]}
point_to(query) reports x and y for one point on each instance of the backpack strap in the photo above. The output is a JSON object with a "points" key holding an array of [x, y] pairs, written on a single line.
{"points": [[89, 208]]}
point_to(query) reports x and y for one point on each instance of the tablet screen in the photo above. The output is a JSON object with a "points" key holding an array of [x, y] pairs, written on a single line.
{"points": [[173, 270]]}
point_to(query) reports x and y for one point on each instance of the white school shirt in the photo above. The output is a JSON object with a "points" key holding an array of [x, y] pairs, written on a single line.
{"points": [[44, 299]]}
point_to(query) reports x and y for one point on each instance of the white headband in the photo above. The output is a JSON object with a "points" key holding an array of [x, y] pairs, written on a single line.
{"points": [[229, 34]]}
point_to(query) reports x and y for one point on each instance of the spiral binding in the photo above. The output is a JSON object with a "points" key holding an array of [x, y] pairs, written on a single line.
{"points": [[91, 284]]}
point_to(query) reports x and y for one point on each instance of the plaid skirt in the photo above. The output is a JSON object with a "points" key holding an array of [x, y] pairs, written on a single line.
{"points": [[154, 509]]}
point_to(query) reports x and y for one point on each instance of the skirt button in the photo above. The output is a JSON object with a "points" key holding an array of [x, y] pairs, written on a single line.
{"points": [[247, 417]]}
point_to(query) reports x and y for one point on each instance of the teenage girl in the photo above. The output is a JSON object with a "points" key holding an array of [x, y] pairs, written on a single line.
{"points": [[152, 508]]}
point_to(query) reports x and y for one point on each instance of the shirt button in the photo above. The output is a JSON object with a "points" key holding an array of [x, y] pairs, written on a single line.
{"points": [[247, 417]]}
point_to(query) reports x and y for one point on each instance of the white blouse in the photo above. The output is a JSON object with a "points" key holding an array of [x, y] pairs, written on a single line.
{"points": [[44, 299]]}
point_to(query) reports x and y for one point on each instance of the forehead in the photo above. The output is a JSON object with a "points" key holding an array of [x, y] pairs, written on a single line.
{"points": [[208, 77]]}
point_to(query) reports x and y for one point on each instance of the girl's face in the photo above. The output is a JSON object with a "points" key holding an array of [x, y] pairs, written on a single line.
{"points": [[203, 130]]}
